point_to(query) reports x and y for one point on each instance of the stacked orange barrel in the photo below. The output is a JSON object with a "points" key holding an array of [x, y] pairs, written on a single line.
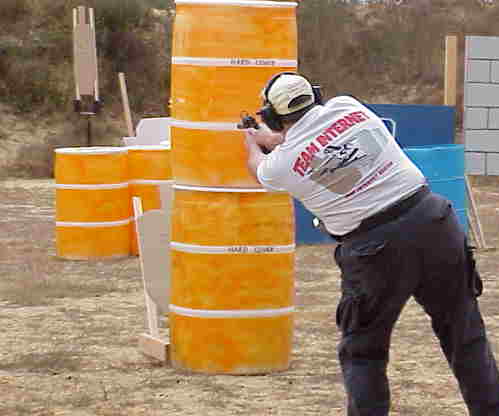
{"points": [[149, 167], [92, 203], [232, 283]]}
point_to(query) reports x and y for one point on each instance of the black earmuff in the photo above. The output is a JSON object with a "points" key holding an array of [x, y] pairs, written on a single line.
{"points": [[267, 112], [269, 115], [317, 90]]}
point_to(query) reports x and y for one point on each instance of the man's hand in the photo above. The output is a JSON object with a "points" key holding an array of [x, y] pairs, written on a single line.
{"points": [[265, 138], [258, 143]]}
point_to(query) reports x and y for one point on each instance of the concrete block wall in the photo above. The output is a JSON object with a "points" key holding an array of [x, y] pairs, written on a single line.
{"points": [[481, 105]]}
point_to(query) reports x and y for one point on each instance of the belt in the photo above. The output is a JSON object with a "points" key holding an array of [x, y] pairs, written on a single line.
{"points": [[387, 215]]}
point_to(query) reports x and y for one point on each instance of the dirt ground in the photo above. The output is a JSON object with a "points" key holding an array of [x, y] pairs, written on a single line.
{"points": [[70, 329]]}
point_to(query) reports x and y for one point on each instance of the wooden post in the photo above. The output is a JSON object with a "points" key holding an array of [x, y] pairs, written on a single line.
{"points": [[126, 105], [75, 49], [450, 97]]}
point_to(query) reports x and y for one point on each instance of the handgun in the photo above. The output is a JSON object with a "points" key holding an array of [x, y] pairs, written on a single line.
{"points": [[247, 121]]}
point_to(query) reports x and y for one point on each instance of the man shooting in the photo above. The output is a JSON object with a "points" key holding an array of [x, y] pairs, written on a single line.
{"points": [[396, 238]]}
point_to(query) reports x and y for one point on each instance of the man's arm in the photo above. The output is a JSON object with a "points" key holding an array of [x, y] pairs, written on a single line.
{"points": [[265, 138], [255, 153], [258, 143]]}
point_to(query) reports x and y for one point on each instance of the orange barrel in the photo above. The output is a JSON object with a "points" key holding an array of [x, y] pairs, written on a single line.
{"points": [[148, 166], [210, 154], [92, 202], [232, 280], [221, 59]]}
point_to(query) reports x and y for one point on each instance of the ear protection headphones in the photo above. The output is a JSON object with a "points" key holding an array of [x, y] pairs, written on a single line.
{"points": [[268, 113]]}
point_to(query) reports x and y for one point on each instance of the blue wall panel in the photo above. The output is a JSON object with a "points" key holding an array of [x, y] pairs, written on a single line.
{"points": [[443, 166], [420, 125]]}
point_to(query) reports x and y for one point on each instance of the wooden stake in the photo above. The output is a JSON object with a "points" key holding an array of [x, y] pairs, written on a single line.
{"points": [[479, 232], [126, 105], [75, 48], [473, 232], [450, 95], [94, 42]]}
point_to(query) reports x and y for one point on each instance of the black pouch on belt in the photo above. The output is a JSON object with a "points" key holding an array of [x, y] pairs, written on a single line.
{"points": [[474, 279]]}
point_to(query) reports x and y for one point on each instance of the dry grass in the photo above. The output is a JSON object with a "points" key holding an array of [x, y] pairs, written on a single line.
{"points": [[70, 332]]}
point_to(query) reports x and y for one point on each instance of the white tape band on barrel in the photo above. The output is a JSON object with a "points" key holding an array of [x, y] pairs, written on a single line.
{"points": [[263, 249], [149, 147], [216, 189], [240, 3], [150, 181], [91, 186], [203, 125], [221, 189], [95, 150], [236, 62], [93, 224], [242, 313]]}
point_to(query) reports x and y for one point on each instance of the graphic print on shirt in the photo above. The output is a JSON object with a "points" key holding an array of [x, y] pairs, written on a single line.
{"points": [[339, 167]]}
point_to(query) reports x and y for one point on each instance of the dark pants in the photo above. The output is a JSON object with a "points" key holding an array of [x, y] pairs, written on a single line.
{"points": [[423, 253]]}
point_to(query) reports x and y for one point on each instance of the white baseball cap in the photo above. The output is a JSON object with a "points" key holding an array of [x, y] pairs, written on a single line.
{"points": [[286, 89]]}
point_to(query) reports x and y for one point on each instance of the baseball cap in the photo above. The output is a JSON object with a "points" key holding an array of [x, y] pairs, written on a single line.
{"points": [[290, 93]]}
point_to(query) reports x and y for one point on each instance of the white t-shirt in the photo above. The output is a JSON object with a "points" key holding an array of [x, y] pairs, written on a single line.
{"points": [[342, 163]]}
